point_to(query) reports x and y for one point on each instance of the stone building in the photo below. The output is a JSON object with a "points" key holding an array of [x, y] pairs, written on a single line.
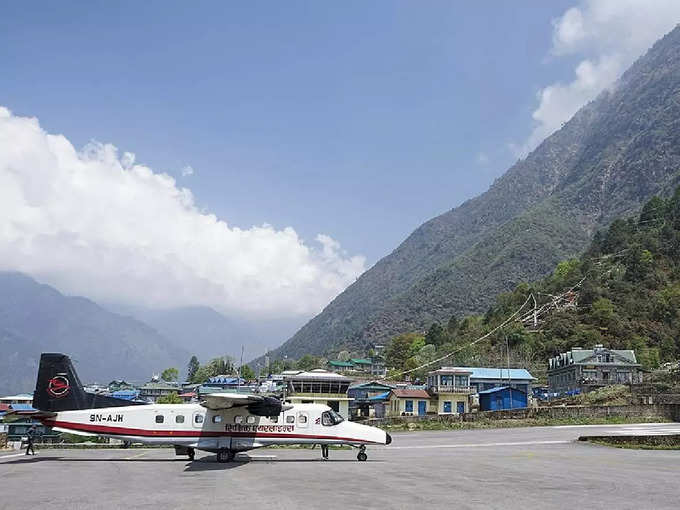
{"points": [[586, 369]]}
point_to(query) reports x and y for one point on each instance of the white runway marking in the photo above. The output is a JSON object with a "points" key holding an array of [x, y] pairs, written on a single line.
{"points": [[476, 445], [14, 455]]}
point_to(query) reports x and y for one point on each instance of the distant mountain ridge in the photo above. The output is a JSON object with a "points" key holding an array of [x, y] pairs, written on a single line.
{"points": [[613, 155], [36, 318]]}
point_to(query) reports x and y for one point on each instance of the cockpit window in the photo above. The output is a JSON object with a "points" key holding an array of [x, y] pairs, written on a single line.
{"points": [[329, 418]]}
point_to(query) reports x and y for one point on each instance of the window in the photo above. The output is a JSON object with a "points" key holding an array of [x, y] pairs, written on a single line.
{"points": [[217, 419], [198, 418], [179, 418], [274, 419], [290, 419], [160, 418], [250, 420], [329, 418], [409, 406], [302, 418], [238, 419], [447, 406]]}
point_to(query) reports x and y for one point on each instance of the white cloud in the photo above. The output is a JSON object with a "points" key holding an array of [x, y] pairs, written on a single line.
{"points": [[187, 171], [95, 224], [607, 36]]}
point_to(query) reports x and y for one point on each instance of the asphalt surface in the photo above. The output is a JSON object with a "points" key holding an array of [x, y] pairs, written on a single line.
{"points": [[503, 468]]}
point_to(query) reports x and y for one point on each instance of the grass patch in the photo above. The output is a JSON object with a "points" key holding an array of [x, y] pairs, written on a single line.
{"points": [[634, 446]]}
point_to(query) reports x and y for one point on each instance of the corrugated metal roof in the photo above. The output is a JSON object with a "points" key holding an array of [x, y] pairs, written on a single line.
{"points": [[23, 407], [495, 373], [360, 361], [337, 363], [410, 393]]}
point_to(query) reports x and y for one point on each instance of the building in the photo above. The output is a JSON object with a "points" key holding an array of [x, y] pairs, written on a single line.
{"points": [[318, 386], [225, 382], [153, 390], [482, 378], [450, 386], [368, 399], [340, 366], [374, 366], [410, 402], [504, 397], [586, 369], [21, 398], [126, 394]]}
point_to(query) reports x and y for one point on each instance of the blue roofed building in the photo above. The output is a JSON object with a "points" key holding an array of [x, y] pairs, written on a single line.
{"points": [[503, 397]]}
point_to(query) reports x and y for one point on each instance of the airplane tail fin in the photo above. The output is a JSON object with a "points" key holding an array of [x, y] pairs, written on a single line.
{"points": [[58, 388]]}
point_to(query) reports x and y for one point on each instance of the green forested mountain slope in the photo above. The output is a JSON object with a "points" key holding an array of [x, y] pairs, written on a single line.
{"points": [[623, 292], [613, 155]]}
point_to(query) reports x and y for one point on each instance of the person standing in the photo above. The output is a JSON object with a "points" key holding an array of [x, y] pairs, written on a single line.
{"points": [[32, 431]]}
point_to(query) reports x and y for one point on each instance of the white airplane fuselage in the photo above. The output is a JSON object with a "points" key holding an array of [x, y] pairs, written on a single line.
{"points": [[234, 429]]}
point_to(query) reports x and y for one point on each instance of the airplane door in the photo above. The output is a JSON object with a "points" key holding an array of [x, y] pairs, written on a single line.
{"points": [[302, 419]]}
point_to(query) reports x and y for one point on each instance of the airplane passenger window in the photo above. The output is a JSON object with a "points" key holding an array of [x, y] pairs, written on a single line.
{"points": [[198, 418], [179, 418], [274, 419], [302, 418], [238, 419], [159, 418], [217, 418], [290, 419], [250, 419]]}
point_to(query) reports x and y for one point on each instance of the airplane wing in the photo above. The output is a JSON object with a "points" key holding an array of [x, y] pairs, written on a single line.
{"points": [[216, 401]]}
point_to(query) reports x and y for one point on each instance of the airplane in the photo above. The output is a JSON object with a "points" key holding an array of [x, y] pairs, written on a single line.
{"points": [[222, 423]]}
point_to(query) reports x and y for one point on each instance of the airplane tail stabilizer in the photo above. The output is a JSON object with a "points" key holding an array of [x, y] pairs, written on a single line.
{"points": [[58, 388]]}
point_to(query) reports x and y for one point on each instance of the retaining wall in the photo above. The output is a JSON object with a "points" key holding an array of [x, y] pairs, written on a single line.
{"points": [[666, 411]]}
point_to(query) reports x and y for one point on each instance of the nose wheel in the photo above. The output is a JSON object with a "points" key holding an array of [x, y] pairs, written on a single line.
{"points": [[191, 453], [361, 456]]}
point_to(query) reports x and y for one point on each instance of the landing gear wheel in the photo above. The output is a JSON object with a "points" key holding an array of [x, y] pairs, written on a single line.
{"points": [[361, 456], [191, 453], [225, 456]]}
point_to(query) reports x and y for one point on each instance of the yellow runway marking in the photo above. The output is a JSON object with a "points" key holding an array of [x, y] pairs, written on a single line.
{"points": [[136, 456]]}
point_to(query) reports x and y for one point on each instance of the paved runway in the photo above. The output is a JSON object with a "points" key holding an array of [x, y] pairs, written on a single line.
{"points": [[500, 469]]}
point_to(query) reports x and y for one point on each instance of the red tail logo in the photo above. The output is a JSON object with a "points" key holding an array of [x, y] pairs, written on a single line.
{"points": [[58, 386]]}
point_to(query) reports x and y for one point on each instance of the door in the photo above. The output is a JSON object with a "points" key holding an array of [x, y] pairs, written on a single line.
{"points": [[447, 406], [422, 408], [460, 407]]}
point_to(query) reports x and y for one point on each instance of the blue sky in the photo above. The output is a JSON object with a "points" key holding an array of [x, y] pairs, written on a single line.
{"points": [[357, 120]]}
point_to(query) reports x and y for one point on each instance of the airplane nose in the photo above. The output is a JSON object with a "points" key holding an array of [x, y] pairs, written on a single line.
{"points": [[388, 438]]}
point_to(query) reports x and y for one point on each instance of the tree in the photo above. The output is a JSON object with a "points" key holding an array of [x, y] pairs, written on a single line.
{"points": [[435, 335], [343, 356], [170, 374], [307, 362], [397, 352], [247, 373], [192, 368], [452, 326], [170, 398]]}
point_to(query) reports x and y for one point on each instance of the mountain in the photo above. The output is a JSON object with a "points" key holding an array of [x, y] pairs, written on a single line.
{"points": [[35, 318], [614, 154], [209, 334]]}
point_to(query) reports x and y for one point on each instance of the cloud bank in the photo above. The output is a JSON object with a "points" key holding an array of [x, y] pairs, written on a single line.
{"points": [[606, 36], [97, 224]]}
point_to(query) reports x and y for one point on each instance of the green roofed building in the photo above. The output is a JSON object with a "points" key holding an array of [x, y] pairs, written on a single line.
{"points": [[340, 366], [586, 369]]}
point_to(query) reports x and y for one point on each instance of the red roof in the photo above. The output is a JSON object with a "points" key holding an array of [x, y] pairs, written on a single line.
{"points": [[410, 393], [4, 407]]}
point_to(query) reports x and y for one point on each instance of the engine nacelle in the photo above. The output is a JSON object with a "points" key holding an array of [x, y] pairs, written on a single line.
{"points": [[270, 406]]}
